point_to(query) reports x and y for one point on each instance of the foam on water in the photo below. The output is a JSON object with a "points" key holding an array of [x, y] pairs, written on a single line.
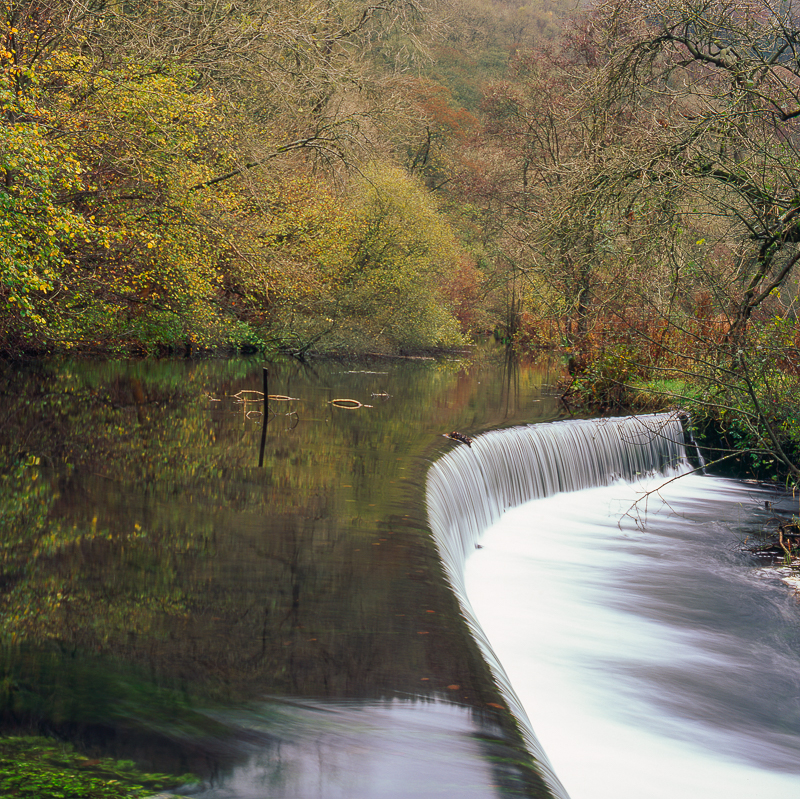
{"points": [[651, 661]]}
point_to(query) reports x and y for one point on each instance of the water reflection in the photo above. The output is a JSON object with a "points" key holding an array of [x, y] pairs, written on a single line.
{"points": [[359, 750], [151, 569]]}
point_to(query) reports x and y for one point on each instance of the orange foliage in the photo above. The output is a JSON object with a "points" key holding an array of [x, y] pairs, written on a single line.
{"points": [[462, 291], [438, 108]]}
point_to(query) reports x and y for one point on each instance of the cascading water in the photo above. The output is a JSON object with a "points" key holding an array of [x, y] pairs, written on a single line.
{"points": [[598, 597], [469, 488]]}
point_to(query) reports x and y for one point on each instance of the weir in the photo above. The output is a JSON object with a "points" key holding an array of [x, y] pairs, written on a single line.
{"points": [[469, 489]]}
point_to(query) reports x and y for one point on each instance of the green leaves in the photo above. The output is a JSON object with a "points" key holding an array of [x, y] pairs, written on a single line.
{"points": [[37, 231], [399, 250], [41, 768], [156, 197]]}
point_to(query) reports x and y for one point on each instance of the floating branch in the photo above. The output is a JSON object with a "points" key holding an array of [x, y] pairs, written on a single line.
{"points": [[259, 395], [350, 404], [456, 436]]}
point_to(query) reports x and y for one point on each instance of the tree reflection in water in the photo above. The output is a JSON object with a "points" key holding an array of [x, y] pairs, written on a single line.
{"points": [[154, 578]]}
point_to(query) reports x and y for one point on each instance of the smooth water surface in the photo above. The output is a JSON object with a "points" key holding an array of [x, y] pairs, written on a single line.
{"points": [[358, 750], [158, 587], [652, 658]]}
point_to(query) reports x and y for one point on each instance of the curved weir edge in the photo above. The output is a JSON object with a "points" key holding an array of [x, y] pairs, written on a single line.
{"points": [[469, 488]]}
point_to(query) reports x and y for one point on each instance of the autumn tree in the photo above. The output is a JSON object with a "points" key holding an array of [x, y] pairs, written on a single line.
{"points": [[366, 270], [707, 166], [145, 145], [545, 150], [662, 190], [715, 92]]}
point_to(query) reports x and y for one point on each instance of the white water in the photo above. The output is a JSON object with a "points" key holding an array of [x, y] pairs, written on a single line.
{"points": [[640, 680], [650, 659]]}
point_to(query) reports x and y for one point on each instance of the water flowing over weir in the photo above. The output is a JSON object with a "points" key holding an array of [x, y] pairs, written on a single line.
{"points": [[471, 487], [617, 613]]}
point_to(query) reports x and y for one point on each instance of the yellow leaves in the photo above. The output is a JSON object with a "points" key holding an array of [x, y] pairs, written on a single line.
{"points": [[139, 249], [36, 225]]}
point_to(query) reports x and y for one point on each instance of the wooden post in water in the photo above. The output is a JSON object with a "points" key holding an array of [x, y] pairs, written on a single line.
{"points": [[265, 420]]}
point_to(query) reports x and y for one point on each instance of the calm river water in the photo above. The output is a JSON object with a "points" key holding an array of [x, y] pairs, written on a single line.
{"points": [[288, 632], [283, 630]]}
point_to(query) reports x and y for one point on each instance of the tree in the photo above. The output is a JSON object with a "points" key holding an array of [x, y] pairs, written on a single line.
{"points": [[649, 204], [710, 159], [687, 201], [367, 271], [147, 147], [553, 234], [399, 254], [715, 86], [37, 231]]}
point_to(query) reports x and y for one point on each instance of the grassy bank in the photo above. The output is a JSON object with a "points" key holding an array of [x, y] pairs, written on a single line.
{"points": [[44, 768]]}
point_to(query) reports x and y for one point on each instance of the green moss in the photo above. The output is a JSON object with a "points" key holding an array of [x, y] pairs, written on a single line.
{"points": [[43, 768], [655, 395]]}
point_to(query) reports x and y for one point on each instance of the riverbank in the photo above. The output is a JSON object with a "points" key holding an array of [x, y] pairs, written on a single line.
{"points": [[736, 441], [35, 767]]}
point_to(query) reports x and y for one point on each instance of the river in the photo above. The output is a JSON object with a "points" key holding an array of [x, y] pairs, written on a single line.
{"points": [[290, 630]]}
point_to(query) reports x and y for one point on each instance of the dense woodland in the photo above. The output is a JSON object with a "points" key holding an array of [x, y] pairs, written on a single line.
{"points": [[204, 174], [617, 182]]}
